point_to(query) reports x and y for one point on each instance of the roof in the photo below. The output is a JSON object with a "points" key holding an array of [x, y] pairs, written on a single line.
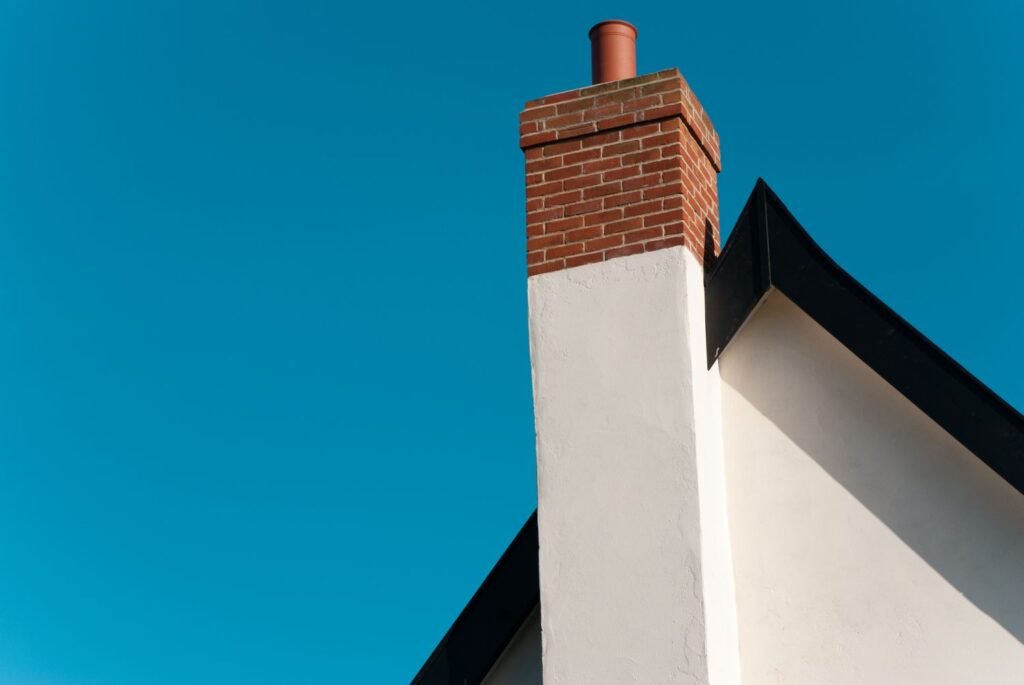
{"points": [[767, 250], [499, 608]]}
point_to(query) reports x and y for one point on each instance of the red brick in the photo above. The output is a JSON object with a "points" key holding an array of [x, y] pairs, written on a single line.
{"points": [[664, 242], [661, 165], [563, 121], [624, 251], [619, 174], [641, 181], [546, 267], [662, 191], [583, 234], [602, 217], [642, 208], [616, 122], [643, 234], [544, 241], [538, 113], [602, 164], [660, 139], [574, 131], [663, 217], [622, 199], [563, 250], [563, 224], [561, 148], [625, 225], [580, 260], [581, 156], [563, 172], [602, 111], [676, 150], [672, 96], [562, 198], [602, 190], [537, 138], [534, 257], [673, 110], [543, 164], [601, 139], [640, 131], [583, 207], [639, 157], [599, 88], [660, 87], [576, 105], [643, 103], [583, 182], [542, 189], [544, 215], [672, 201], [604, 243], [620, 148], [618, 96]]}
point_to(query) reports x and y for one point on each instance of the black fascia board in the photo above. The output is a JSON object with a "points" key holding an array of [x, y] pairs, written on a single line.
{"points": [[768, 249], [485, 627]]}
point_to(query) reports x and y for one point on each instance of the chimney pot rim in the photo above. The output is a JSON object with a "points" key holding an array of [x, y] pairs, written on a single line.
{"points": [[609, 23]]}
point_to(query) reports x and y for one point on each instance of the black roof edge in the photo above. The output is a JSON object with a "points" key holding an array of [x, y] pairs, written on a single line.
{"points": [[769, 249], [485, 627]]}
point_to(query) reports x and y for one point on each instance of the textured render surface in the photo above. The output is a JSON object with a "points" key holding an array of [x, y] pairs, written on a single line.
{"points": [[721, 630], [615, 361], [520, 664], [869, 546]]}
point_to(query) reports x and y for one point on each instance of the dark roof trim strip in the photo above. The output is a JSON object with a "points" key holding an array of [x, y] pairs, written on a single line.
{"points": [[769, 249], [499, 608]]}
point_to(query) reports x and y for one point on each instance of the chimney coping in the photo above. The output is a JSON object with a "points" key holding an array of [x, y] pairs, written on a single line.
{"points": [[618, 104]]}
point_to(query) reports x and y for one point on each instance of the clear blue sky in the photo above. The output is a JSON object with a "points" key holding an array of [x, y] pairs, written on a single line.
{"points": [[265, 412]]}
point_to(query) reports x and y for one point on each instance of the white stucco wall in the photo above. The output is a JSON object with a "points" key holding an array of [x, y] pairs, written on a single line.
{"points": [[520, 663], [719, 598], [627, 447], [869, 546]]}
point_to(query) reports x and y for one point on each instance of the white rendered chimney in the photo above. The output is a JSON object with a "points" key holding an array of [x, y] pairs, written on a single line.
{"points": [[622, 215]]}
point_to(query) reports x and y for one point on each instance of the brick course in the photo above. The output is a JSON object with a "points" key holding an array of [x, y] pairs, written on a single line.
{"points": [[617, 169]]}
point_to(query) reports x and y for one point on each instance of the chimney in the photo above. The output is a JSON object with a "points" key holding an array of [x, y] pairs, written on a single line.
{"points": [[618, 168], [622, 218]]}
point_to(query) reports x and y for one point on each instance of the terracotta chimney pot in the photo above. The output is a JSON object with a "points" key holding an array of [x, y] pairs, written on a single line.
{"points": [[613, 50]]}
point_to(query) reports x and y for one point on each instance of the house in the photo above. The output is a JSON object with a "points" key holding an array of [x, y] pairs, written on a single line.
{"points": [[750, 470]]}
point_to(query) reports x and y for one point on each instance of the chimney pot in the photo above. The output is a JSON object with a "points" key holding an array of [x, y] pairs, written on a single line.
{"points": [[613, 50]]}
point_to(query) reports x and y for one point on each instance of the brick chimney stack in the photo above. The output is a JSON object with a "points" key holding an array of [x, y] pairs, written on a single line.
{"points": [[622, 219], [619, 168]]}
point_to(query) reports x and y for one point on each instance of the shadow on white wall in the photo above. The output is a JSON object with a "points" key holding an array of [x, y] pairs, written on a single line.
{"points": [[955, 513]]}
